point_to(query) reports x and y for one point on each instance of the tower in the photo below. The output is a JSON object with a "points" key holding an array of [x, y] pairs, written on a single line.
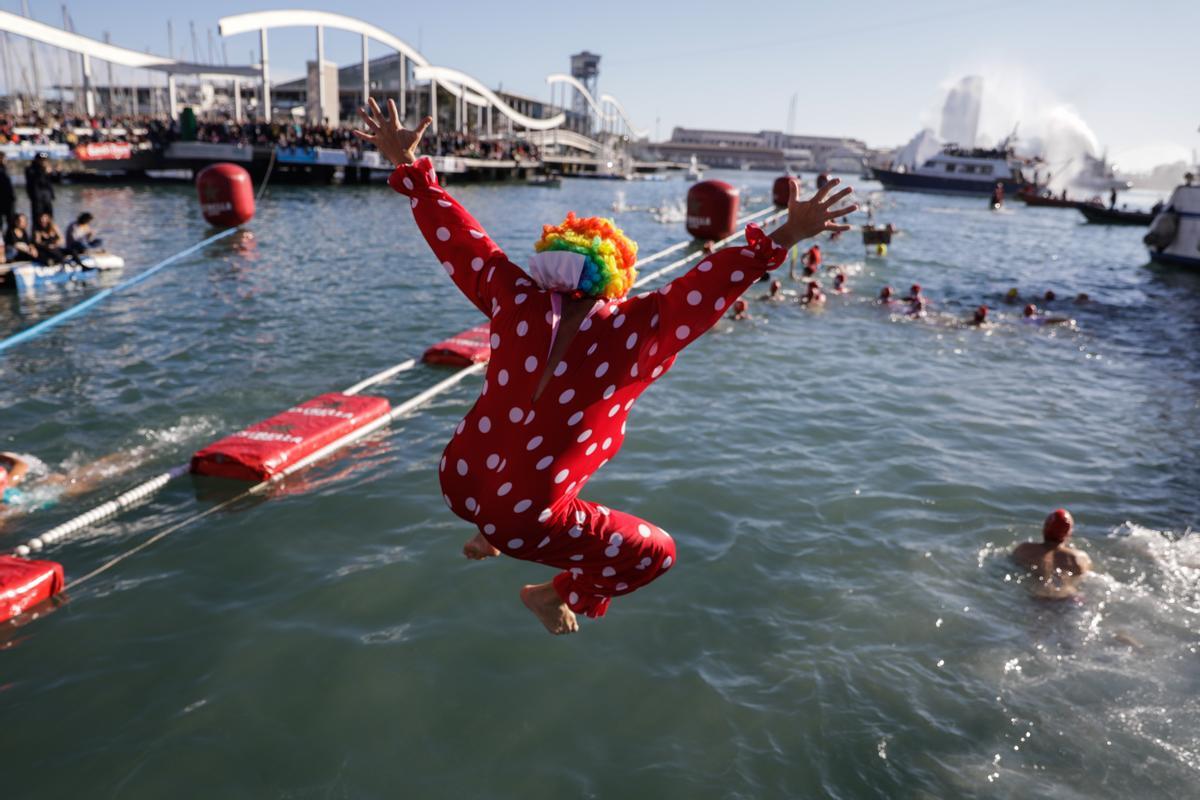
{"points": [[585, 68]]}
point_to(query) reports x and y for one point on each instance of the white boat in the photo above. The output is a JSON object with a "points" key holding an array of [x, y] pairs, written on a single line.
{"points": [[957, 170], [694, 173], [26, 277], [1174, 236], [1098, 175]]}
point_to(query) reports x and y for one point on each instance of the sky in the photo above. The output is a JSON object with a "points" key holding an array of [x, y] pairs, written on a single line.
{"points": [[876, 71]]}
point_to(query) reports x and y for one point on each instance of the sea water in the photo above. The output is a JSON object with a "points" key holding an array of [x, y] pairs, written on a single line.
{"points": [[844, 485]]}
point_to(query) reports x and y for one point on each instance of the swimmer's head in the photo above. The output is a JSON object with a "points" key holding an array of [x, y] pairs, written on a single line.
{"points": [[915, 290], [1082, 298], [885, 293], [739, 307], [981, 314], [1012, 294], [1031, 310], [839, 279], [776, 286], [814, 287], [1050, 295], [587, 257], [1058, 526]]}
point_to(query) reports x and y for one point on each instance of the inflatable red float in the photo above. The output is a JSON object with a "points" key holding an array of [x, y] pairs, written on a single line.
{"points": [[24, 584], [226, 194], [712, 208], [779, 189]]}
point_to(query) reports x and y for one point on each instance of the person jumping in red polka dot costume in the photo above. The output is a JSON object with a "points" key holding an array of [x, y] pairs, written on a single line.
{"points": [[565, 370]]}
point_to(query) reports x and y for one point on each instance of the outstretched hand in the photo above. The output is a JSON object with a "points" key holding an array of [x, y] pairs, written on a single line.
{"points": [[397, 144], [807, 218]]}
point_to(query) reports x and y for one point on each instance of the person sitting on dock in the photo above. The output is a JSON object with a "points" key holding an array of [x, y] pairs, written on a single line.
{"points": [[571, 350], [48, 239], [81, 237], [18, 242], [1056, 566]]}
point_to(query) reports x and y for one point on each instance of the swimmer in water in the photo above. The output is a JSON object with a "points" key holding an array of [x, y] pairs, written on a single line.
{"points": [[1012, 296], [774, 292], [1057, 567], [1049, 296], [980, 318], [741, 311], [918, 307], [571, 350], [811, 261], [27, 484], [886, 296], [914, 293], [813, 296], [839, 284], [1032, 316]]}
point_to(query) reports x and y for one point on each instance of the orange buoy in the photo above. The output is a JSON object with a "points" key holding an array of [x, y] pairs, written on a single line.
{"points": [[779, 189], [712, 208], [226, 194]]}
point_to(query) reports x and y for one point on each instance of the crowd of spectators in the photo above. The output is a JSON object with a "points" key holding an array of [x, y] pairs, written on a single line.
{"points": [[148, 131]]}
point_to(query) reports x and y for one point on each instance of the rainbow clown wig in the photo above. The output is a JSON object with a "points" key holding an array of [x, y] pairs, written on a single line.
{"points": [[590, 257]]}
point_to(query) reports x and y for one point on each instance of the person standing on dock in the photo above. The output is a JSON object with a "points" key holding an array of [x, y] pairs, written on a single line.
{"points": [[1112, 198], [8, 197], [571, 352], [39, 188]]}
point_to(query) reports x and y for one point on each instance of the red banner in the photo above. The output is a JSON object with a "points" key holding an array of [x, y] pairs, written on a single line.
{"points": [[104, 151]]}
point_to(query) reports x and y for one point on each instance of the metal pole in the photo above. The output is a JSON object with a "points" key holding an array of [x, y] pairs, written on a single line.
{"points": [[172, 97], [433, 104], [237, 100], [366, 73], [265, 97], [404, 90], [320, 75], [89, 97], [489, 121]]}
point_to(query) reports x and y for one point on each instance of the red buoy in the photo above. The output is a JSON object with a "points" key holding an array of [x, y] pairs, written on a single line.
{"points": [[779, 189], [226, 194], [712, 208]]}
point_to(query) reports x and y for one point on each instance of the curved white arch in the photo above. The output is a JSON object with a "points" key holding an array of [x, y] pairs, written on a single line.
{"points": [[56, 37], [612, 101], [447, 75], [571, 80], [292, 18]]}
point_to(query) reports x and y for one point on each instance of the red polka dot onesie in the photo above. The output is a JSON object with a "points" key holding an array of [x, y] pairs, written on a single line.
{"points": [[516, 465]]}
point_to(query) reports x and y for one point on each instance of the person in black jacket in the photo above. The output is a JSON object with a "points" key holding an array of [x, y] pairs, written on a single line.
{"points": [[8, 197], [39, 188]]}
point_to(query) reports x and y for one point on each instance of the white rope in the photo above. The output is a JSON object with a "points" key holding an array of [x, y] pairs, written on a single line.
{"points": [[380, 377]]}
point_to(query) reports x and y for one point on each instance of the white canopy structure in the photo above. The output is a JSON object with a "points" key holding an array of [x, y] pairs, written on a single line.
{"points": [[92, 48]]}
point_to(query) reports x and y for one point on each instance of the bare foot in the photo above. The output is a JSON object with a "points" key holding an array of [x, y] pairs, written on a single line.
{"points": [[478, 548], [548, 607]]}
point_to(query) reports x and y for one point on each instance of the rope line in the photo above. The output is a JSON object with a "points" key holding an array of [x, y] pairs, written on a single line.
{"points": [[79, 308]]}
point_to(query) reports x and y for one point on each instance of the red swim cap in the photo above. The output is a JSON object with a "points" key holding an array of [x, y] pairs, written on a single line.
{"points": [[1058, 526], [885, 293], [739, 306], [915, 288], [1030, 310]]}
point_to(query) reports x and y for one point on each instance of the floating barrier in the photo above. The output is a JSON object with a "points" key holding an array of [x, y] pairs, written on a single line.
{"points": [[258, 452], [24, 584], [267, 452], [469, 347], [712, 209], [226, 195], [779, 189]]}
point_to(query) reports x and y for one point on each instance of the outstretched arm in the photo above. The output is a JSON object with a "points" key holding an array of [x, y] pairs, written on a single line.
{"points": [[692, 303], [474, 262]]}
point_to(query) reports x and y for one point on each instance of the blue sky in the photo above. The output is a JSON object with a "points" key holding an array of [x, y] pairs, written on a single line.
{"points": [[868, 69]]}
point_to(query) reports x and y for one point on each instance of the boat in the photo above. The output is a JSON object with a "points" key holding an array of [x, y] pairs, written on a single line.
{"points": [[1050, 201], [544, 181], [958, 170], [1174, 236], [1099, 215], [26, 277], [694, 172], [1097, 175]]}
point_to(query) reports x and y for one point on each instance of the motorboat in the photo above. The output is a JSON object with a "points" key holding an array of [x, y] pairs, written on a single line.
{"points": [[958, 170], [1099, 215], [1174, 236]]}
